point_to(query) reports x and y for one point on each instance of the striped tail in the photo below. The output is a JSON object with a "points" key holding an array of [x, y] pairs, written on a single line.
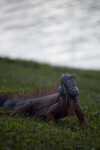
{"points": [[9, 104], [3, 99]]}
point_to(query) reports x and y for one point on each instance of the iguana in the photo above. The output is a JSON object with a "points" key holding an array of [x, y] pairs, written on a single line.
{"points": [[53, 106]]}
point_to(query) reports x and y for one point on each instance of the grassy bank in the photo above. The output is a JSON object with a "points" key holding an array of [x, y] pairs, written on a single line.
{"points": [[26, 132]]}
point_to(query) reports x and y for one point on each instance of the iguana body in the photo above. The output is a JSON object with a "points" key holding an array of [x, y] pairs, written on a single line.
{"points": [[54, 106]]}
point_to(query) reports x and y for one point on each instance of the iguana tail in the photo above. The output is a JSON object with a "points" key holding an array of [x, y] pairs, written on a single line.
{"points": [[9, 104], [3, 99]]}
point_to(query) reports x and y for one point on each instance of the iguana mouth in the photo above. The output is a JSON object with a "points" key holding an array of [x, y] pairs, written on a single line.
{"points": [[73, 91]]}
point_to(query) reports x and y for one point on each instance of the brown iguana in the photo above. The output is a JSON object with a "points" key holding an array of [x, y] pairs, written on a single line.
{"points": [[53, 106]]}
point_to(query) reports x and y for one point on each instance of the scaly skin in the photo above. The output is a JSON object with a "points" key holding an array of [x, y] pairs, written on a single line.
{"points": [[52, 107]]}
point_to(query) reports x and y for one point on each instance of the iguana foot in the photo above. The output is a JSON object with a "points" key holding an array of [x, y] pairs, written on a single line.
{"points": [[50, 117]]}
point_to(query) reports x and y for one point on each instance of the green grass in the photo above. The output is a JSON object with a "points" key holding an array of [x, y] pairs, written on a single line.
{"points": [[24, 132]]}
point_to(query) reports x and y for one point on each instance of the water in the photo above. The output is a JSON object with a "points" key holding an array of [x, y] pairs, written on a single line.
{"points": [[59, 32]]}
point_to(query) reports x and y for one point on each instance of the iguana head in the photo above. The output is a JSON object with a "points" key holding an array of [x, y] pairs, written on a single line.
{"points": [[68, 85]]}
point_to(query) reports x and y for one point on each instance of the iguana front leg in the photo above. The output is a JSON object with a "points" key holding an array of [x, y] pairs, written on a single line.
{"points": [[54, 109], [79, 114], [50, 114], [26, 108]]}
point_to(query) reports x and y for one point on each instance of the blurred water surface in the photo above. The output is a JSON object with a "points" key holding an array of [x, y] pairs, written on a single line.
{"points": [[59, 32]]}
